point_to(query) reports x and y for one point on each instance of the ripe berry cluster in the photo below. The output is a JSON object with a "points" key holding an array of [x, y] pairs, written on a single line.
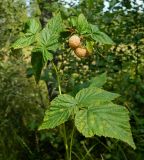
{"points": [[75, 44]]}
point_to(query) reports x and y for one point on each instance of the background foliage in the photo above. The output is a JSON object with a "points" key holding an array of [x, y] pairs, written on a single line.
{"points": [[22, 103]]}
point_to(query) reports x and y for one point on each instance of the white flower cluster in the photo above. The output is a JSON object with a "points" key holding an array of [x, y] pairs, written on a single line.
{"points": [[69, 3]]}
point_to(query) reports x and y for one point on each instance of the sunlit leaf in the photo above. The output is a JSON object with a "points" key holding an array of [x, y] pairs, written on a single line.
{"points": [[55, 25], [48, 40], [82, 25], [59, 111], [109, 120], [94, 95], [29, 38], [23, 42], [73, 21], [34, 26], [89, 46]]}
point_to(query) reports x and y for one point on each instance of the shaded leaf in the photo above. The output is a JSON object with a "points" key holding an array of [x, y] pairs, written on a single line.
{"points": [[109, 120], [37, 64], [59, 112], [94, 28], [78, 87], [29, 72], [102, 38], [113, 3], [45, 53], [98, 81]]}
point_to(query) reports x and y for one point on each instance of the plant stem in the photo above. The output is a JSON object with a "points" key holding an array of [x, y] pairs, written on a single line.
{"points": [[65, 142], [63, 127], [71, 142]]}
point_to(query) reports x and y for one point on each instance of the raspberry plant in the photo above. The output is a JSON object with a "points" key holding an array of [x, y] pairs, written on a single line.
{"points": [[89, 106]]}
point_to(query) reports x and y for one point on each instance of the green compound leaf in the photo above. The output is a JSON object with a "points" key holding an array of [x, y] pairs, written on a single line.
{"points": [[98, 81], [73, 21], [34, 26], [94, 28], [102, 38], [55, 25], [45, 53], [48, 40], [109, 120], [89, 46], [60, 110], [94, 95], [29, 37], [49, 36], [23, 42], [83, 26]]}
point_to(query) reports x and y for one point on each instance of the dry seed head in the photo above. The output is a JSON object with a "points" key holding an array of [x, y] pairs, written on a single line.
{"points": [[74, 41]]}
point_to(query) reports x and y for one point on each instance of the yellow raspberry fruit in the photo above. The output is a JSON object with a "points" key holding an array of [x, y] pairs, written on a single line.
{"points": [[74, 41], [81, 52]]}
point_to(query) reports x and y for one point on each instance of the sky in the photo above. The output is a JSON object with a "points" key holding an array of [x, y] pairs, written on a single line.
{"points": [[139, 2]]}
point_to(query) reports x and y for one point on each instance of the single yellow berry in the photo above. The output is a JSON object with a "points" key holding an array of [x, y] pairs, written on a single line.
{"points": [[74, 41], [81, 52]]}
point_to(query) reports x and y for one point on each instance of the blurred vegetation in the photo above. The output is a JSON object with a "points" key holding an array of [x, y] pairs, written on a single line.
{"points": [[22, 102]]}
